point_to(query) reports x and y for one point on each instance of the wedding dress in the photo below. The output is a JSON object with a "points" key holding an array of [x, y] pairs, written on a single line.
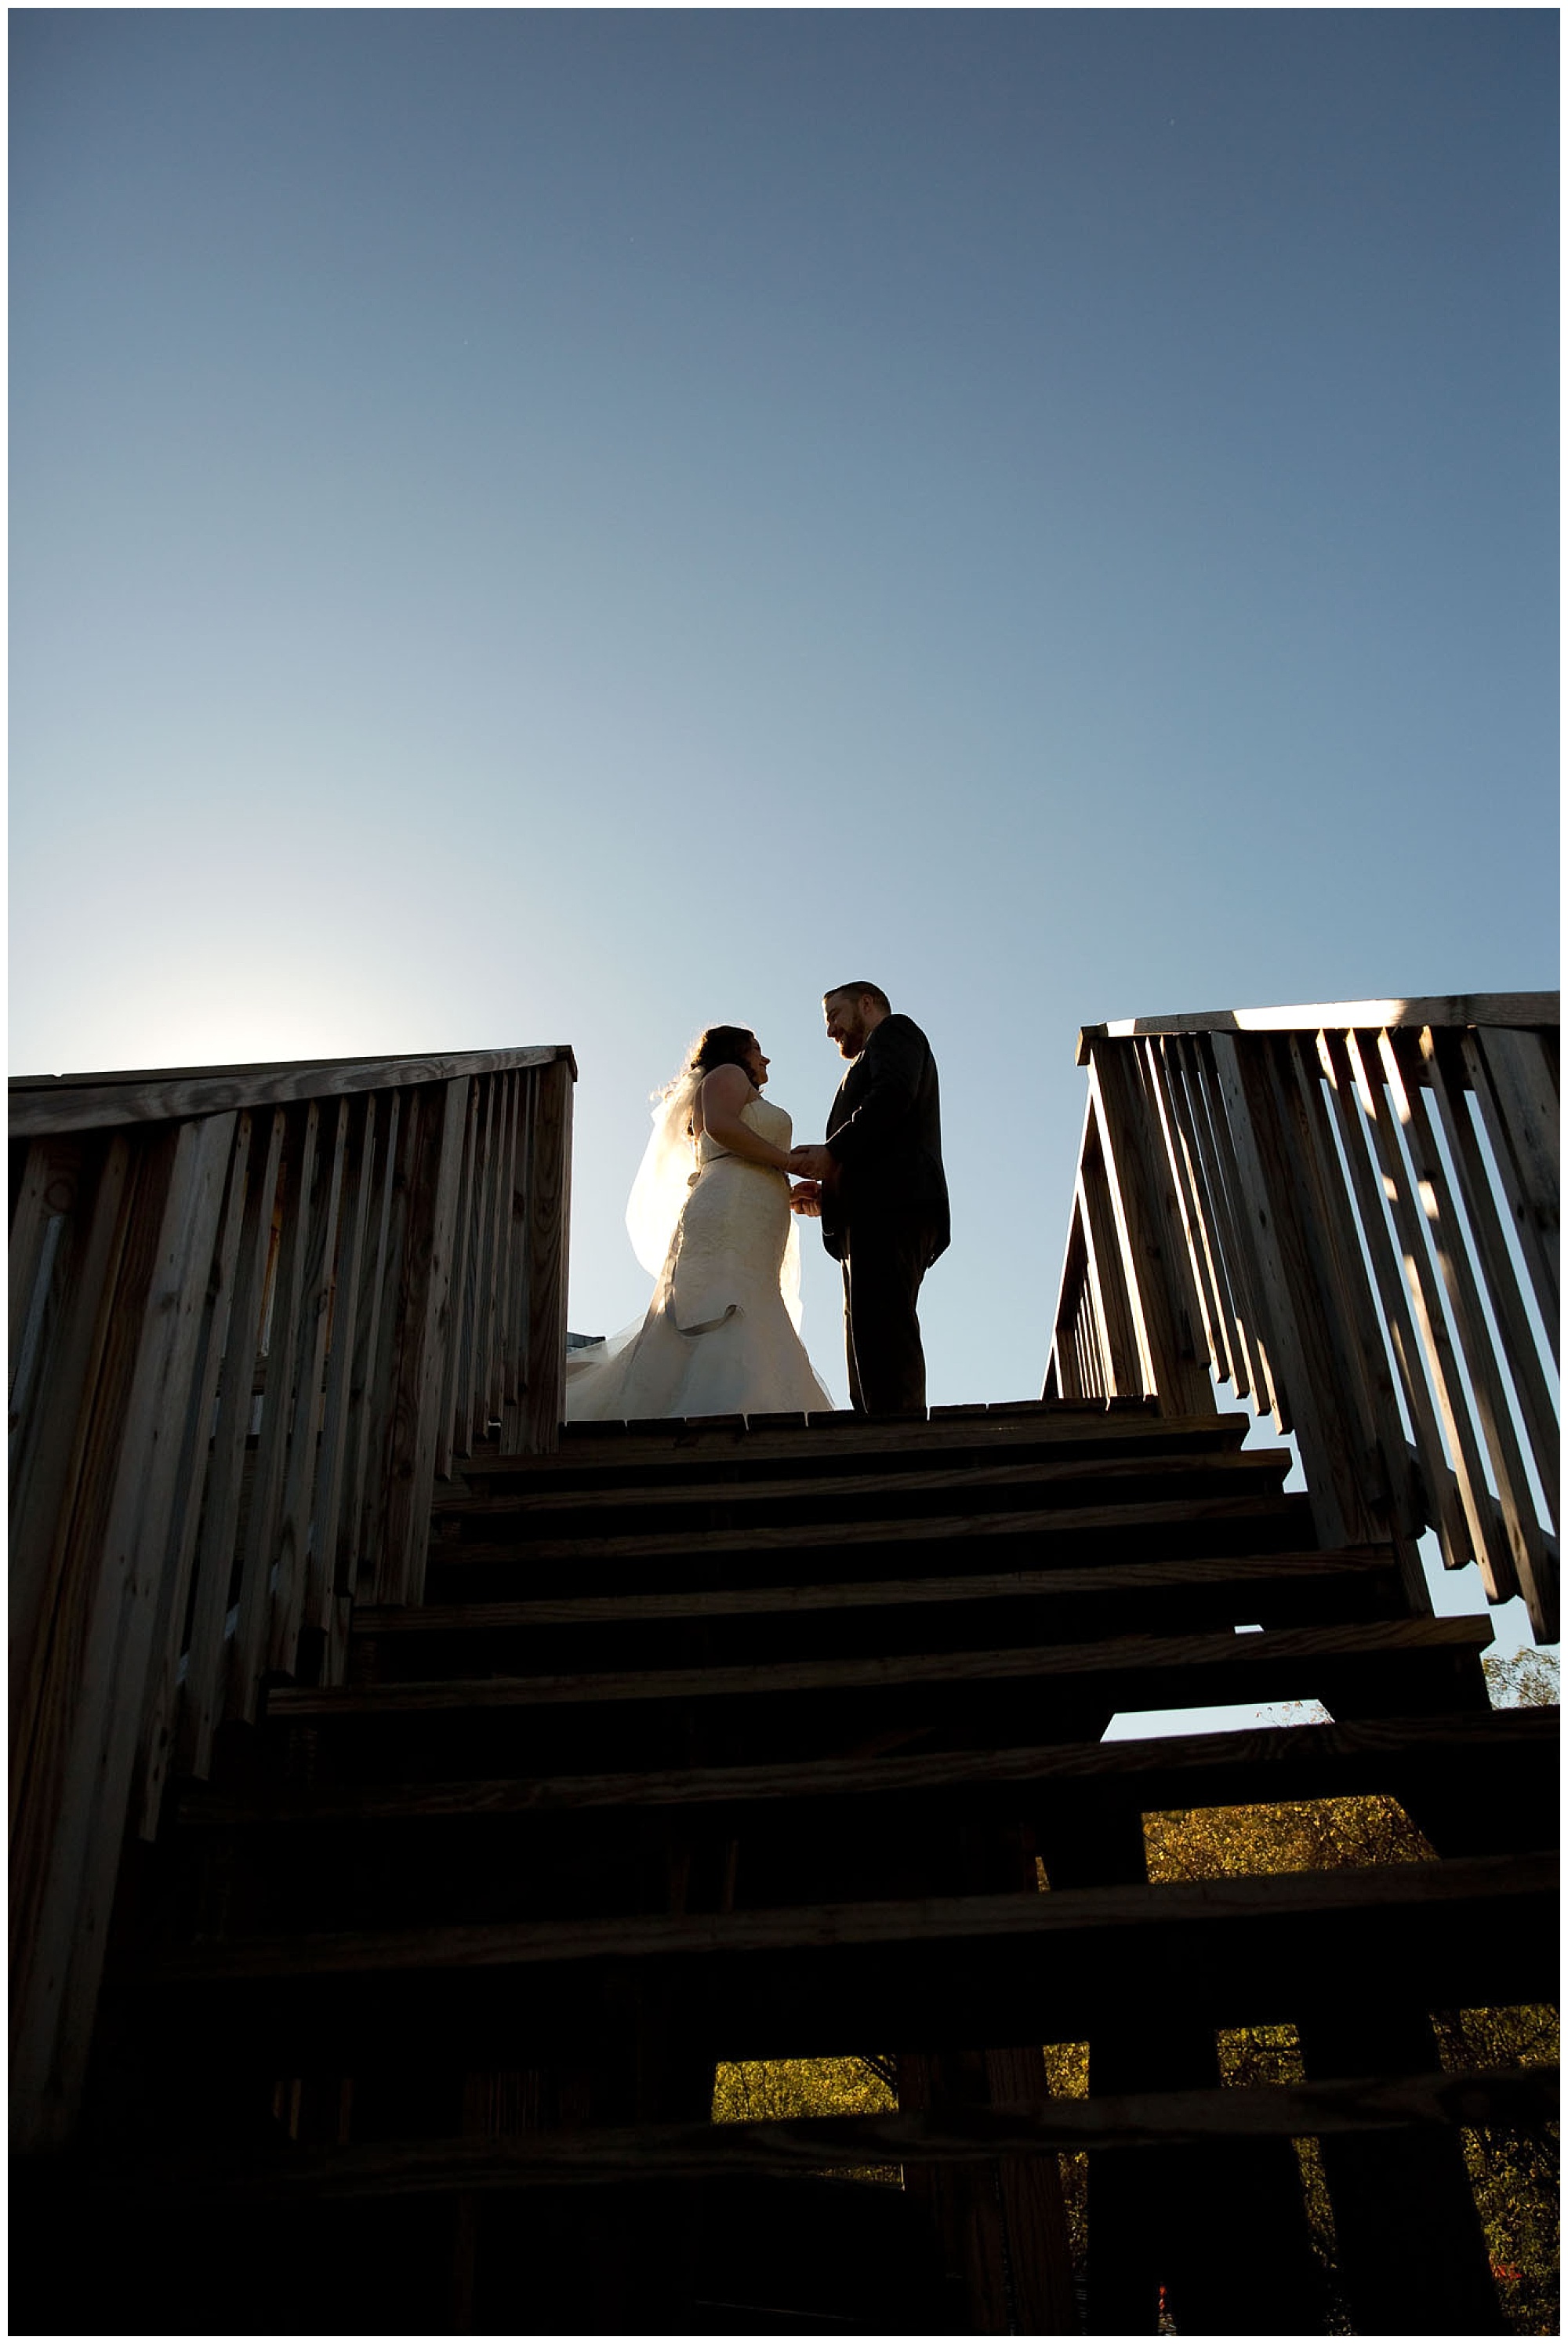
{"points": [[720, 1335]]}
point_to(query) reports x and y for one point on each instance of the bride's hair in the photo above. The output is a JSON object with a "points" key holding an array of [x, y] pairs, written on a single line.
{"points": [[722, 1045]]}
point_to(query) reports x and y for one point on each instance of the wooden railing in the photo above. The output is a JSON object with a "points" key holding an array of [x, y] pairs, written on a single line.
{"points": [[1349, 1213], [255, 1311]]}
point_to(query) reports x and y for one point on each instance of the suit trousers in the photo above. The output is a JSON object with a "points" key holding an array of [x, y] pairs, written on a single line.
{"points": [[883, 1264]]}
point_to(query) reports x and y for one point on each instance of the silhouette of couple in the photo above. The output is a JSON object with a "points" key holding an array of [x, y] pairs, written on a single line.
{"points": [[713, 1216]]}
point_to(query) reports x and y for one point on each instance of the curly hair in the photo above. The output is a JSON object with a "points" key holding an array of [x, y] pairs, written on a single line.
{"points": [[722, 1045]]}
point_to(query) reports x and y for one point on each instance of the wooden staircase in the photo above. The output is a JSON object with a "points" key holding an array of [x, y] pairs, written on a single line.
{"points": [[719, 1741]]}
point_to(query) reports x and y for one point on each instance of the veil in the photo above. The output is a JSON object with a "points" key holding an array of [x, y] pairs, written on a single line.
{"points": [[665, 1176]]}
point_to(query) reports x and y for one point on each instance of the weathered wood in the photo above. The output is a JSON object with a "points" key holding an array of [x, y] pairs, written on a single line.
{"points": [[158, 1725], [367, 1396], [1520, 1089], [1192, 1083], [59, 1103], [934, 1529], [1444, 1510], [1491, 1552], [911, 1483], [1483, 1009], [1246, 1573], [280, 1341], [1165, 1084], [549, 1203], [1190, 1770], [1115, 1913], [1532, 1568], [1256, 1270], [1300, 1273], [461, 1320], [201, 1709], [330, 1565], [168, 1255], [1122, 1655], [291, 1540], [1161, 1293], [1445, 1074], [426, 1302], [46, 1468]]}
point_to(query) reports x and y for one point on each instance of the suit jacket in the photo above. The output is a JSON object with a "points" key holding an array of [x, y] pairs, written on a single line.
{"points": [[885, 1134]]}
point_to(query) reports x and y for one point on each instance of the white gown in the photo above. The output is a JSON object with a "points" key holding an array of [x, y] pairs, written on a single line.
{"points": [[719, 1336]]}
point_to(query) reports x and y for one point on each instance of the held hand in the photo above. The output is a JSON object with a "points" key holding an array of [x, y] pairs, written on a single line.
{"points": [[814, 1163], [807, 1199]]}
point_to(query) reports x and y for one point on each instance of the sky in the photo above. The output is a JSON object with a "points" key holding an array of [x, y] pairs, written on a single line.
{"points": [[574, 526]]}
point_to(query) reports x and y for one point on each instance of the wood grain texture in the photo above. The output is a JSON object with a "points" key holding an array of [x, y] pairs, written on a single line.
{"points": [[47, 1103], [1484, 1009], [951, 2134], [1245, 1572], [1426, 1887], [1115, 1656], [1172, 1771]]}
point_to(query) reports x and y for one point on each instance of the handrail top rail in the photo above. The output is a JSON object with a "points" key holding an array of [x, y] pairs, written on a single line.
{"points": [[43, 1105], [1514, 1009]]}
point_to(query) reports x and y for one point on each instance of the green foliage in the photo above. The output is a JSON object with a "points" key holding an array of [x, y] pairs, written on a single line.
{"points": [[1514, 2174]]}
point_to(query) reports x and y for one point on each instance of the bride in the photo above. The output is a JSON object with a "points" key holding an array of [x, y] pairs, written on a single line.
{"points": [[709, 1214]]}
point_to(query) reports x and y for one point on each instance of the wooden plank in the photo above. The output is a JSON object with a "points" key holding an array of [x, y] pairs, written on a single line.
{"points": [[1356, 1754], [1534, 1573], [48, 1462], [1443, 1510], [387, 1368], [206, 1667], [1525, 2098], [295, 1516], [687, 1445], [1384, 1464], [1483, 1009], [916, 1484], [1168, 1091], [49, 1103], [165, 1272], [1448, 1391], [1163, 1300], [1036, 1521], [503, 1115], [1253, 1282], [515, 1295], [425, 1303], [475, 1275], [1513, 1085], [1197, 1108], [1112, 1367], [367, 1414], [548, 1235], [461, 1310], [159, 1725], [1305, 1282], [1120, 1912], [1111, 1656], [1098, 1578], [1445, 1074], [330, 1571], [248, 1654]]}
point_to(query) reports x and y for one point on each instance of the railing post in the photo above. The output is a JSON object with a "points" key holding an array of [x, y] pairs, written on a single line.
{"points": [[1159, 1279], [106, 1596], [547, 1237]]}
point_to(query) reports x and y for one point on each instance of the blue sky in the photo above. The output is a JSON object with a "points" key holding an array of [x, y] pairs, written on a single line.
{"points": [[570, 526]]}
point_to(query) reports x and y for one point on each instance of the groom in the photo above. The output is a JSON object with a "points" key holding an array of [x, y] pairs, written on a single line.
{"points": [[880, 1191]]}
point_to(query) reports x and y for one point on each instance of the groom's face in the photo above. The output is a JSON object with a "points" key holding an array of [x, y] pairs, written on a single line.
{"points": [[845, 1016]]}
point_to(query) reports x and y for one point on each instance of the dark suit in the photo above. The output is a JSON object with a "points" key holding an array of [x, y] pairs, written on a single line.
{"points": [[885, 1213]]}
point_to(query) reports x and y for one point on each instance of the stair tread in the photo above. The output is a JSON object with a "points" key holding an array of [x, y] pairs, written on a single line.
{"points": [[689, 1443], [803, 2145], [1291, 1755], [928, 1482], [941, 1529], [415, 1619], [1099, 1657], [1012, 1914]]}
